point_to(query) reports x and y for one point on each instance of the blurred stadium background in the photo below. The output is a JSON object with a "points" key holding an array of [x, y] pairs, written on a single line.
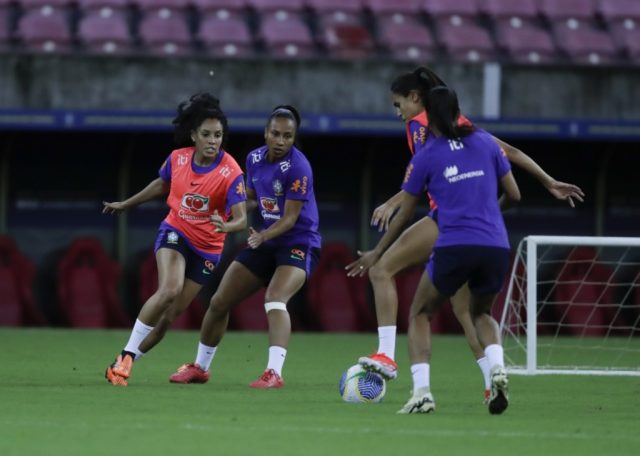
{"points": [[88, 89]]}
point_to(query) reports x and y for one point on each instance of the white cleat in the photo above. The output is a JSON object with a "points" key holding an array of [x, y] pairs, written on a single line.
{"points": [[381, 364], [421, 402], [499, 397]]}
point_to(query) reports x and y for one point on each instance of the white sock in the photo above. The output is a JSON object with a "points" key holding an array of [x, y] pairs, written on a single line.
{"points": [[495, 355], [483, 364], [387, 341], [139, 332], [205, 356], [420, 375], [276, 359]]}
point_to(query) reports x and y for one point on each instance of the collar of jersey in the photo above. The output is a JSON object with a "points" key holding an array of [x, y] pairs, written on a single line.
{"points": [[205, 169]]}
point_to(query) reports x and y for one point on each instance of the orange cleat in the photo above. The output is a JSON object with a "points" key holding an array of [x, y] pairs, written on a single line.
{"points": [[487, 395], [380, 363], [123, 365], [189, 373], [268, 379], [114, 378]]}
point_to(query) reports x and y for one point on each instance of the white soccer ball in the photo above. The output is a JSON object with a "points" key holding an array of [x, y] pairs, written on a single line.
{"points": [[359, 385]]}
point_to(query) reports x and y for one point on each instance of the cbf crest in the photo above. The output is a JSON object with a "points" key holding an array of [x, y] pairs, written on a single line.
{"points": [[278, 187]]}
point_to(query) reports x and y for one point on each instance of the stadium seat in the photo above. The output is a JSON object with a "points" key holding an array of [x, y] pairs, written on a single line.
{"points": [[507, 9], [249, 315], [344, 35], [270, 6], [447, 8], [525, 43], [44, 30], [463, 40], [583, 43], [286, 35], [581, 295], [36, 4], [87, 287], [5, 28], [335, 6], [561, 10], [191, 318], [337, 302], [156, 5], [228, 36], [619, 10], [17, 306], [409, 7], [405, 37], [213, 6], [165, 32], [626, 36], [105, 31], [93, 5]]}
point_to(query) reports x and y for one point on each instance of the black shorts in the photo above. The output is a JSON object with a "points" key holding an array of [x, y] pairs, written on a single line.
{"points": [[264, 260], [485, 268], [198, 268]]}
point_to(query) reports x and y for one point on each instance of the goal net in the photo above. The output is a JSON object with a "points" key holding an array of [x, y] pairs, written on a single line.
{"points": [[573, 306]]}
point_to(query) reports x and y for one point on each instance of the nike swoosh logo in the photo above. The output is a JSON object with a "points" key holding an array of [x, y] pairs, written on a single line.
{"points": [[195, 183]]}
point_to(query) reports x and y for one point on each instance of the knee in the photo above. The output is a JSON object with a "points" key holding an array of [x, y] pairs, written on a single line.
{"points": [[218, 306], [168, 293], [379, 272]]}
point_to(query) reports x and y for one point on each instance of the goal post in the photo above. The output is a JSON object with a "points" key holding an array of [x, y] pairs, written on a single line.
{"points": [[572, 306]]}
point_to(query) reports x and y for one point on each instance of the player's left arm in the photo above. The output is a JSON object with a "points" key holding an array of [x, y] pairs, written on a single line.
{"points": [[237, 221], [292, 209], [561, 190]]}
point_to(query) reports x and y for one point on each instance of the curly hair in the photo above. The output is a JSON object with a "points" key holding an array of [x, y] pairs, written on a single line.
{"points": [[191, 114]]}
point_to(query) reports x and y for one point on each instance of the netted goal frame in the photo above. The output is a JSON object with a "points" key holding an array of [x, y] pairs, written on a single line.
{"points": [[532, 243]]}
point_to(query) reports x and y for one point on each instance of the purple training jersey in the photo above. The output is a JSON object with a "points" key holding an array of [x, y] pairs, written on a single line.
{"points": [[462, 175], [274, 182]]}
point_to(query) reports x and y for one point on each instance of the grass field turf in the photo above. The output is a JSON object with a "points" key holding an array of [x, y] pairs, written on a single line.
{"points": [[54, 400]]}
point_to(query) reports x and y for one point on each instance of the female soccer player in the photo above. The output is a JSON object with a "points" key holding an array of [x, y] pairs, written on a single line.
{"points": [[461, 168], [280, 257], [206, 200], [414, 245]]}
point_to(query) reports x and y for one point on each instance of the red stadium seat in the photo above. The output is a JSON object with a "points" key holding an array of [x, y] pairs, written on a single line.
{"points": [[525, 43], [337, 302], [214, 6], [31, 4], [105, 31], [266, 6], [191, 318], [93, 5], [333, 6], [582, 298], [87, 281], [225, 35], [583, 43], [44, 30], [286, 35], [17, 306], [409, 7], [165, 32], [250, 315], [447, 8], [507, 9], [157, 5], [464, 40], [344, 35]]}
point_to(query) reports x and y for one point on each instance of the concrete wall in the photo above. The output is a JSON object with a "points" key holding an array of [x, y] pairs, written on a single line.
{"points": [[315, 86]]}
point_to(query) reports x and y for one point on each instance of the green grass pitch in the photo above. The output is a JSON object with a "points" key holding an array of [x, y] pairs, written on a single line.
{"points": [[54, 401]]}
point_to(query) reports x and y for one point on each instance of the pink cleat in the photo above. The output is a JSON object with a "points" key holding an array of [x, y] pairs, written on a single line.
{"points": [[380, 363], [268, 379], [189, 373]]}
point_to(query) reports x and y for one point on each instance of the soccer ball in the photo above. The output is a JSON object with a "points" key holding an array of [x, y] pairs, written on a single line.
{"points": [[359, 385]]}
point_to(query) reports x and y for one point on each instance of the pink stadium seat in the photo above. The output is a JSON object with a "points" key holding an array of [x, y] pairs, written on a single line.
{"points": [[105, 32], [286, 35], [558, 10], [337, 302], [17, 306], [228, 37], [87, 281], [212, 6], [378, 7], [405, 37], [155, 5], [507, 9], [90, 5], [332, 6], [44, 30], [626, 36], [31, 4], [464, 40], [191, 318], [525, 43], [619, 10], [581, 294], [447, 8], [165, 32], [249, 315], [583, 43], [266, 6]]}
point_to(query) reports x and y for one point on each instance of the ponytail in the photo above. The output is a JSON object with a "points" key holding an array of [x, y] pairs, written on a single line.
{"points": [[443, 111]]}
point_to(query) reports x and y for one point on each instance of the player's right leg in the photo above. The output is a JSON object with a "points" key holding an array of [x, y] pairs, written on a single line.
{"points": [[460, 302], [171, 268], [238, 283], [411, 248]]}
